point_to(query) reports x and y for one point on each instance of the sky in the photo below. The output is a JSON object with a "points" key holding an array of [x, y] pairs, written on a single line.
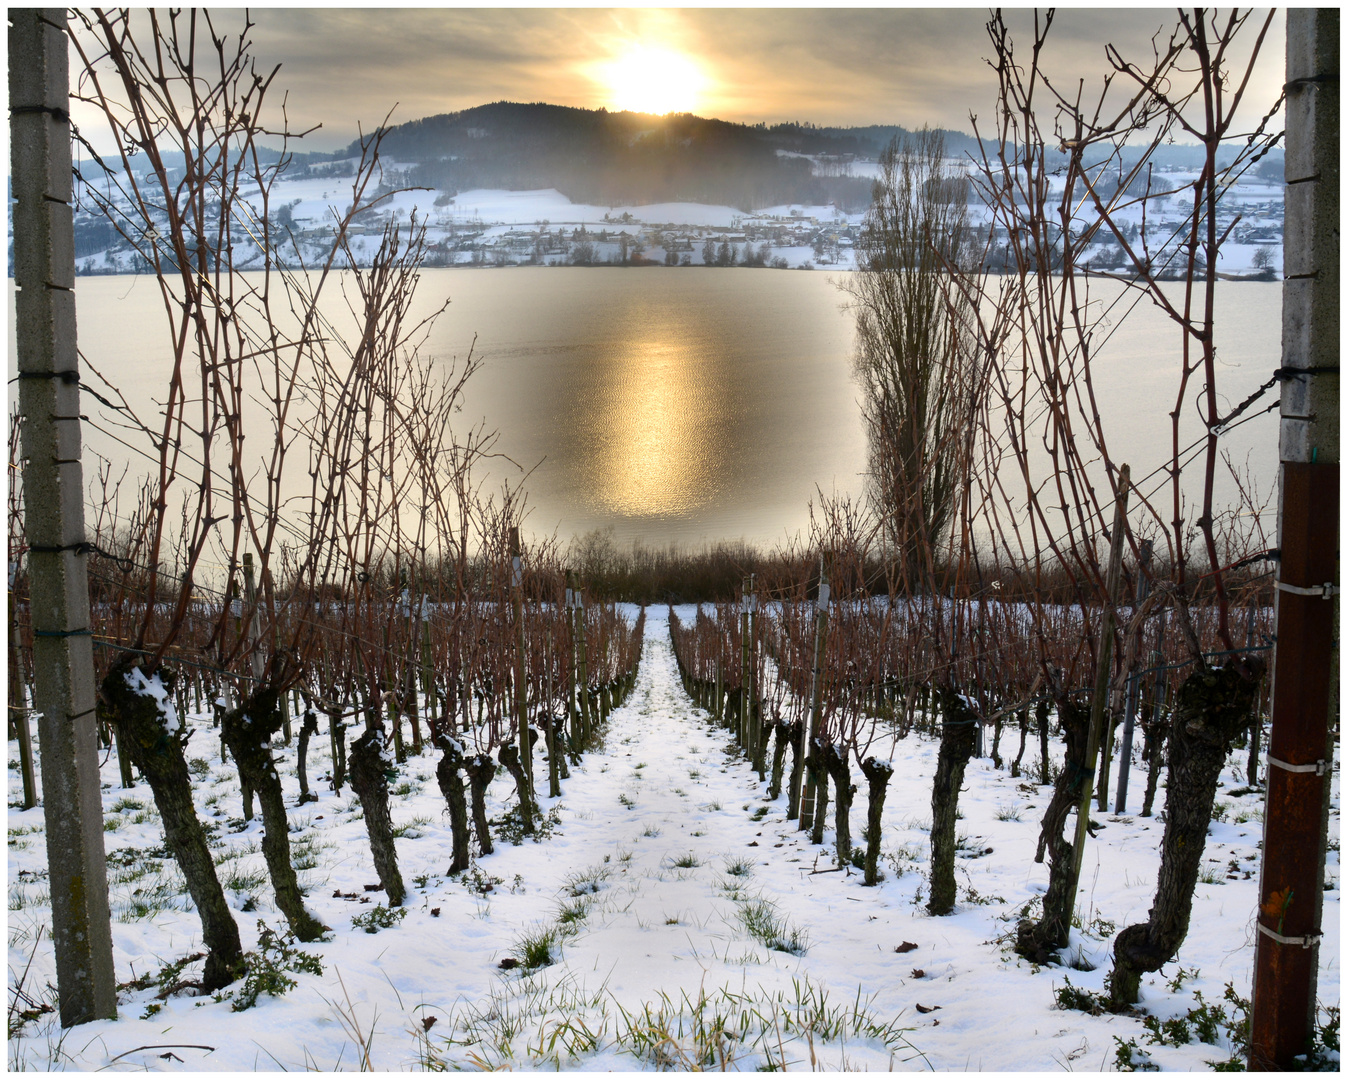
{"points": [[907, 66]]}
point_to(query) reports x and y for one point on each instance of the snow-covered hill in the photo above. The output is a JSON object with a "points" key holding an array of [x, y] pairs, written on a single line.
{"points": [[494, 227]]}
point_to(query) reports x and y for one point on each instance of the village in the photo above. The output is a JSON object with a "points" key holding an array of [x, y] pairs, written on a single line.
{"points": [[492, 228]]}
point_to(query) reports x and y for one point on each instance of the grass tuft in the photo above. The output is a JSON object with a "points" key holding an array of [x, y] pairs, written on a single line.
{"points": [[763, 923], [539, 949], [587, 882], [573, 913]]}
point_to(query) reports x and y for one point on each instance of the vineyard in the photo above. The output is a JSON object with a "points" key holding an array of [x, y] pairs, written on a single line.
{"points": [[371, 776], [668, 894]]}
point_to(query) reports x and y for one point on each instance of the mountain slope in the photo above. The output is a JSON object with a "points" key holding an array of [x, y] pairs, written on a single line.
{"points": [[597, 156]]}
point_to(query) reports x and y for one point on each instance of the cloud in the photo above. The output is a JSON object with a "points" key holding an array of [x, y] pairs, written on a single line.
{"points": [[908, 66]]}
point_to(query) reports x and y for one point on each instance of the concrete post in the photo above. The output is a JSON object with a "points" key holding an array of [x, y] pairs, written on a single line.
{"points": [[521, 660], [811, 730], [587, 719], [1134, 686], [572, 697], [746, 682], [53, 481], [254, 620], [1291, 900], [287, 732], [1104, 658]]}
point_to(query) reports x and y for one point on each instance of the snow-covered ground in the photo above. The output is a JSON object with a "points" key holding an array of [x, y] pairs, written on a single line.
{"points": [[663, 854]]}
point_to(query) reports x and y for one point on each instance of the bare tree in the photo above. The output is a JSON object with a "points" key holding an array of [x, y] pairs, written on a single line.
{"points": [[1043, 324], [243, 349], [913, 354]]}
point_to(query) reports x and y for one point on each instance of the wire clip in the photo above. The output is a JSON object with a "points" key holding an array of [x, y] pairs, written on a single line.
{"points": [[1283, 374], [44, 110], [70, 375], [1327, 591], [1307, 941], [1320, 768]]}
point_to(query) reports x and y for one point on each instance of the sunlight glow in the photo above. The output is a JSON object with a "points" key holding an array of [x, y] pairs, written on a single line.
{"points": [[653, 80], [654, 435]]}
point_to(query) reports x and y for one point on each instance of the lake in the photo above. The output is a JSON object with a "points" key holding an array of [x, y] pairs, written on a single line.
{"points": [[695, 405]]}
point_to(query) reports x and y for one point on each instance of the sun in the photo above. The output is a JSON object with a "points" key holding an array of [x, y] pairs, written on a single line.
{"points": [[653, 80]]}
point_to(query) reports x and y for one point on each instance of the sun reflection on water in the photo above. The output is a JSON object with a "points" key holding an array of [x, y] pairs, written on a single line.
{"points": [[653, 438]]}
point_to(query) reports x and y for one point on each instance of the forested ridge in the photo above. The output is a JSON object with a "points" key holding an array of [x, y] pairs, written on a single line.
{"points": [[592, 155]]}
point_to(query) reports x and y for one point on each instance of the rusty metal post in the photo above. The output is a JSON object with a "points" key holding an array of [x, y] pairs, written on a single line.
{"points": [[1300, 757], [1300, 750]]}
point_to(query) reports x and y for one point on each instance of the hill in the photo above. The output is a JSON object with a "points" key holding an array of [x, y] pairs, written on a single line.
{"points": [[597, 156]]}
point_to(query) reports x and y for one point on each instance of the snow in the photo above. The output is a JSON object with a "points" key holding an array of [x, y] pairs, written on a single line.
{"points": [[384, 749], [153, 686], [550, 205], [646, 833]]}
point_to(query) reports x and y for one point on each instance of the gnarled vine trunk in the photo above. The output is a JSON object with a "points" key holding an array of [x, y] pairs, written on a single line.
{"points": [[759, 732], [337, 736], [1212, 707], [509, 756], [794, 785], [959, 734], [836, 764], [481, 768], [369, 780], [308, 729], [1039, 942], [819, 774], [1023, 719], [157, 752], [1153, 753], [782, 730], [551, 737], [451, 786], [877, 774], [248, 729]]}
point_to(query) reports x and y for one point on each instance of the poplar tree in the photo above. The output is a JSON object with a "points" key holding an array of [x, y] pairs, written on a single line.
{"points": [[912, 353]]}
